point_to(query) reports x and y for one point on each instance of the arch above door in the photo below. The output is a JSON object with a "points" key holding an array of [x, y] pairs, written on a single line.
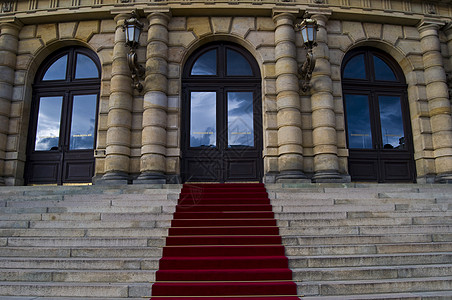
{"points": [[221, 116], [377, 118], [63, 119]]}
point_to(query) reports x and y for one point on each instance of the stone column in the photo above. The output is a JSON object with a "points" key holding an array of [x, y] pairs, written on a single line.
{"points": [[155, 105], [120, 112], [290, 149], [326, 162], [438, 99], [9, 42]]}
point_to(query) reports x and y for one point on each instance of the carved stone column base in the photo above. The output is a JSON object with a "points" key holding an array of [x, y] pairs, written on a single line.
{"points": [[150, 178], [444, 178], [330, 176], [111, 178], [292, 177]]}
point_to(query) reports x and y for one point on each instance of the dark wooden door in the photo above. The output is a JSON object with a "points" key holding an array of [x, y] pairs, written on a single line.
{"points": [[222, 122], [64, 120], [377, 118]]}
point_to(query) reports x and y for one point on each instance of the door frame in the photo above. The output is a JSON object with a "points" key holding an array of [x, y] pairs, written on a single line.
{"points": [[379, 164], [62, 162], [221, 85]]}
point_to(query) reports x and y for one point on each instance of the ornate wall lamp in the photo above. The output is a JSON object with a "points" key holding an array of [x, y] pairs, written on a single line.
{"points": [[132, 28], [308, 28]]}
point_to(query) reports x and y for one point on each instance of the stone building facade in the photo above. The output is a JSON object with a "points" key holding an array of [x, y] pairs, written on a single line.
{"points": [[299, 136]]}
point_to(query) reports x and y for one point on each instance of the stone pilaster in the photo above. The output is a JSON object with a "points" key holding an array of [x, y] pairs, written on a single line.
{"points": [[326, 162], [9, 41], [290, 149], [438, 99], [155, 105], [120, 112]]}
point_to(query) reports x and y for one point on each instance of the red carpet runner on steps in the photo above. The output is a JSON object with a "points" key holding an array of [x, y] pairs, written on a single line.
{"points": [[224, 244]]}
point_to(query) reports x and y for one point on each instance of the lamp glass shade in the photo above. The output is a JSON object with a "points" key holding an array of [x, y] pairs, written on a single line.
{"points": [[308, 30]]}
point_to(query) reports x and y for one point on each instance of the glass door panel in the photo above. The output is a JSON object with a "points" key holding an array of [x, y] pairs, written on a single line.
{"points": [[392, 131], [358, 121], [240, 119], [203, 119], [83, 122], [49, 121]]}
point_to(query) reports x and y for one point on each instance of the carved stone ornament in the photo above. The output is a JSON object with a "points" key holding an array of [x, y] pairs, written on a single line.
{"points": [[431, 9], [319, 1], [7, 6]]}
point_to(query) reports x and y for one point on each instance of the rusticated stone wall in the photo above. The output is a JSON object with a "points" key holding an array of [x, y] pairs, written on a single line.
{"points": [[139, 134]]}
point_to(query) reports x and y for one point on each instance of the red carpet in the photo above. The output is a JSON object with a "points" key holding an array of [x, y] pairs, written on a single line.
{"points": [[224, 244]]}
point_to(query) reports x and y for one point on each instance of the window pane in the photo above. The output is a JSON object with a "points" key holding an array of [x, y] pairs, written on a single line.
{"points": [[206, 64], [383, 71], [358, 121], [240, 119], [355, 68], [83, 122], [391, 122], [203, 124], [48, 129], [237, 64], [57, 71], [85, 67]]}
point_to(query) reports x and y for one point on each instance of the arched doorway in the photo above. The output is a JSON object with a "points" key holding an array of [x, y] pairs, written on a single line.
{"points": [[221, 116], [63, 119], [377, 118]]}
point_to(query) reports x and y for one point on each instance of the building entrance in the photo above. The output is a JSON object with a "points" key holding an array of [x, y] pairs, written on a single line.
{"points": [[377, 118], [222, 122], [63, 119]]}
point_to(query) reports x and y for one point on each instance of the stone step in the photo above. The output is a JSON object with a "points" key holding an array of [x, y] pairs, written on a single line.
{"points": [[98, 224], [366, 230], [85, 275], [443, 295], [335, 208], [351, 287], [353, 260], [67, 289], [355, 222], [97, 232], [90, 203], [111, 209], [368, 249], [80, 263], [66, 298], [371, 272], [77, 242], [306, 240], [154, 250]]}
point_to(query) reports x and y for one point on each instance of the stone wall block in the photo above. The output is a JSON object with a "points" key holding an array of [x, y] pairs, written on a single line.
{"points": [[221, 24], [155, 99], [199, 25], [285, 50], [47, 32], [157, 49], [159, 33], [409, 47], [354, 29], [290, 162], [154, 117], [435, 74], [341, 42], [27, 32], [286, 66], [373, 30], [101, 41], [6, 74], [120, 117], [437, 90], [441, 122], [431, 59], [116, 163], [261, 38], [265, 24], [157, 82], [323, 118], [242, 25], [322, 100], [181, 38], [86, 29], [157, 65], [29, 46], [288, 99], [155, 161], [288, 135]]}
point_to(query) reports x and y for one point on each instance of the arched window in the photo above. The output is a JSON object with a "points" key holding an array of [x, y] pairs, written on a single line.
{"points": [[63, 120], [222, 137], [377, 117]]}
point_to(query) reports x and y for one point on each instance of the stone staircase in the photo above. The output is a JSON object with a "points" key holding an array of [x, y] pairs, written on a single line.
{"points": [[82, 242], [351, 241], [367, 241]]}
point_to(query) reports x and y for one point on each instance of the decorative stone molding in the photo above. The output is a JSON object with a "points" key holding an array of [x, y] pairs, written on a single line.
{"points": [[8, 6]]}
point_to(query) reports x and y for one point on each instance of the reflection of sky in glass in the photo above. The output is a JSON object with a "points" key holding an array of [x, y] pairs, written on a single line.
{"points": [[240, 119], [383, 71], [83, 121], [355, 68], [48, 129], [237, 64], [57, 71], [85, 68], [358, 121], [391, 122], [206, 64], [203, 113]]}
